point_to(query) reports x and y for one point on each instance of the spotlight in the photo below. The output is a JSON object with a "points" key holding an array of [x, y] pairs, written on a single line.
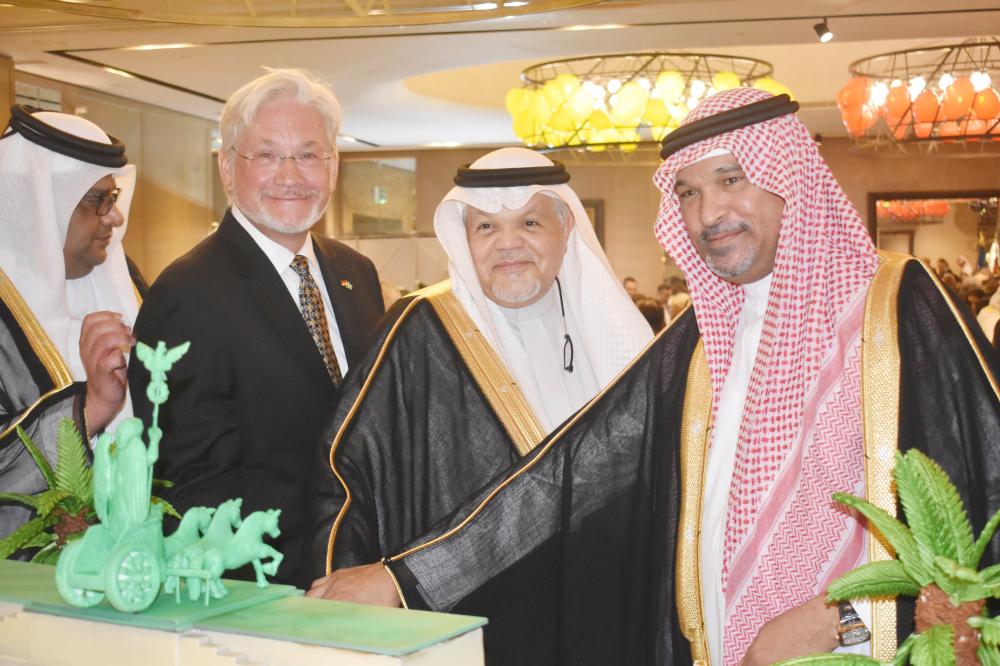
{"points": [[823, 31]]}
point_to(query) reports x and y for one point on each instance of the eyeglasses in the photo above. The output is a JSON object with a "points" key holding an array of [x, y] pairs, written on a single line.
{"points": [[103, 202], [306, 161]]}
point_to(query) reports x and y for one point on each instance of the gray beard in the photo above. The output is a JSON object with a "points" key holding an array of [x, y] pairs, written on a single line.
{"points": [[518, 294], [730, 272]]}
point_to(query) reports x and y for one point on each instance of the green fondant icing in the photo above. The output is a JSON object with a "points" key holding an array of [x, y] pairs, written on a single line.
{"points": [[388, 631]]}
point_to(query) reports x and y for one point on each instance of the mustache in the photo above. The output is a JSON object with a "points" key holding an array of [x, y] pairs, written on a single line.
{"points": [[721, 229], [502, 256], [291, 191]]}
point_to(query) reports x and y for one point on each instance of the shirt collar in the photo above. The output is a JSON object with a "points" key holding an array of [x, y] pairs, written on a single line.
{"points": [[277, 254], [757, 293]]}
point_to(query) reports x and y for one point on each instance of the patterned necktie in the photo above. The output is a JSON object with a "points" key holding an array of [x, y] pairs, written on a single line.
{"points": [[311, 302]]}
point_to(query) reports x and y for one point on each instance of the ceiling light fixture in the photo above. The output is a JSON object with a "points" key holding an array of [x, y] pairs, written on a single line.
{"points": [[926, 95], [823, 31], [622, 99], [158, 47], [118, 72]]}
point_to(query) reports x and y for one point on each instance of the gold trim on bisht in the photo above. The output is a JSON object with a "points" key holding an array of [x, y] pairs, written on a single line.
{"points": [[347, 421], [37, 337], [486, 367], [695, 433], [880, 377], [489, 372], [552, 441]]}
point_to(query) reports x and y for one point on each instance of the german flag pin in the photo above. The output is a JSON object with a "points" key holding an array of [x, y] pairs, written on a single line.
{"points": [[346, 284]]}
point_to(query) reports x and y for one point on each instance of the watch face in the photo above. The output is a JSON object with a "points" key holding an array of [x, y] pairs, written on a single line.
{"points": [[854, 634]]}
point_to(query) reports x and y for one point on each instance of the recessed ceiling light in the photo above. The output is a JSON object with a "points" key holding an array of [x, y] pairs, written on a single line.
{"points": [[444, 144], [606, 26], [118, 72], [158, 47], [484, 5], [515, 3], [349, 139]]}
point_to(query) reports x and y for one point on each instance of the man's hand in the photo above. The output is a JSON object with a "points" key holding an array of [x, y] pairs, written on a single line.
{"points": [[104, 341], [367, 584], [805, 629]]}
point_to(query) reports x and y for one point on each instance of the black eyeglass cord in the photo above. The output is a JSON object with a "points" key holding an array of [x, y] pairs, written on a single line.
{"points": [[567, 341]]}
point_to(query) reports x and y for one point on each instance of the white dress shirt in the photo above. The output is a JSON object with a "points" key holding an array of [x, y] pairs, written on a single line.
{"points": [[282, 258]]}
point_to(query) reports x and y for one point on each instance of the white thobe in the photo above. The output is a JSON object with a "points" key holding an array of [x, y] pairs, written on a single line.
{"points": [[541, 330], [719, 471]]}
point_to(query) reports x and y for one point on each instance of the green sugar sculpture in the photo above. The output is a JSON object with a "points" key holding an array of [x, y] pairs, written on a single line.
{"points": [[125, 556]]}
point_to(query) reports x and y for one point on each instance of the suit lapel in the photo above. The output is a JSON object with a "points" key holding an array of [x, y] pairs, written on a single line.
{"points": [[274, 302], [342, 296]]}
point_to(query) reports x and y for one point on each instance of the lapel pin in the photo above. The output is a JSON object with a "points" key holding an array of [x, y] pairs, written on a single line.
{"points": [[346, 284]]}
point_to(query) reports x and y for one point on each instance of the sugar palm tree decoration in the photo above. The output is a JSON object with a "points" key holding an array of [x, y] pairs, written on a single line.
{"points": [[936, 562], [66, 508]]}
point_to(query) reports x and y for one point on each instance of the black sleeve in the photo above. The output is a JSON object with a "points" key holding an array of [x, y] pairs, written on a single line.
{"points": [[200, 453], [570, 554], [949, 407]]}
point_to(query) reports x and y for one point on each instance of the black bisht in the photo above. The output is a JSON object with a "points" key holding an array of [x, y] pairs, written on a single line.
{"points": [[572, 555], [572, 562]]}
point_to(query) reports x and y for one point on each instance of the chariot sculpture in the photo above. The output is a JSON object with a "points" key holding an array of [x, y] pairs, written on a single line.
{"points": [[125, 556]]}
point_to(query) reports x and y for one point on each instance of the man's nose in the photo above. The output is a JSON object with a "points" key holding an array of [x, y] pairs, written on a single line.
{"points": [[509, 237], [713, 208], [288, 170], [114, 217]]}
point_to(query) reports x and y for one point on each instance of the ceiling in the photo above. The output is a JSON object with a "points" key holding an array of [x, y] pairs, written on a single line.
{"points": [[414, 86]]}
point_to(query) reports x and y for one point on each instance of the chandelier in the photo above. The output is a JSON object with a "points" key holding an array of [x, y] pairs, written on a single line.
{"points": [[928, 95], [303, 13], [623, 99], [915, 211]]}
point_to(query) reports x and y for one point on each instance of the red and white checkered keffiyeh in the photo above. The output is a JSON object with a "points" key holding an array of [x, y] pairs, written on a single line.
{"points": [[800, 438]]}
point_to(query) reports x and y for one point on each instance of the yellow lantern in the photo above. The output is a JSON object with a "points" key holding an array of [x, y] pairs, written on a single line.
{"points": [[580, 105], [671, 85], [628, 105], [563, 120], [559, 89], [517, 101], [768, 84], [725, 81], [656, 113]]}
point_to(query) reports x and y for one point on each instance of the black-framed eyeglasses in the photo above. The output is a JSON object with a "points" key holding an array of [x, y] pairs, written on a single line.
{"points": [[268, 160], [103, 202]]}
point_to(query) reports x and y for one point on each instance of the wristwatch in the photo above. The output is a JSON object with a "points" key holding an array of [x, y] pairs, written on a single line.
{"points": [[851, 630]]}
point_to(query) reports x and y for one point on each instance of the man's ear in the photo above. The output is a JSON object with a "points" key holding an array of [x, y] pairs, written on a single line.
{"points": [[334, 171], [225, 161]]}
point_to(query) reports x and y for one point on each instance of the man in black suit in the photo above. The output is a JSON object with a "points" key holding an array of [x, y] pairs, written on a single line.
{"points": [[275, 315]]}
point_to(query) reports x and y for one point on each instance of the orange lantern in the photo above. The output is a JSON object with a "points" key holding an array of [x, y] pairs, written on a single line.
{"points": [[897, 102], [975, 127], [881, 211], [855, 93], [950, 129], [958, 99], [986, 105], [858, 119], [925, 106], [923, 130]]}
